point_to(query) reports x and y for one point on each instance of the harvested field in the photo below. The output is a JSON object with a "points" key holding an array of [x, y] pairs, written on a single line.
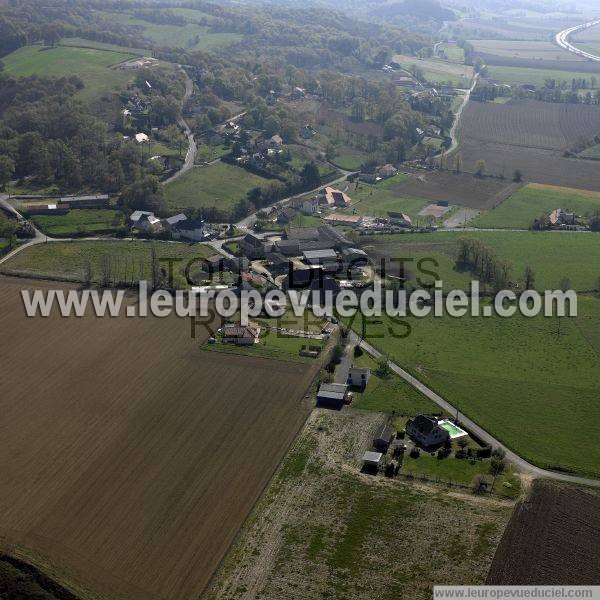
{"points": [[522, 49], [457, 188], [129, 457], [562, 68], [552, 539], [530, 136], [324, 530]]}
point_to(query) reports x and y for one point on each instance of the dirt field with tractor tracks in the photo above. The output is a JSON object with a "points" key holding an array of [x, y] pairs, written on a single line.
{"points": [[130, 458]]}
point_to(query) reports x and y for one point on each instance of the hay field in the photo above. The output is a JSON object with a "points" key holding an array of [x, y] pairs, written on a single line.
{"points": [[91, 65], [129, 457]]}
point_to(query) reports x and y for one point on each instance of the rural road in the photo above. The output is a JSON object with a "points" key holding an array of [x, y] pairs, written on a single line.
{"points": [[562, 39], [453, 136], [486, 437], [190, 156]]}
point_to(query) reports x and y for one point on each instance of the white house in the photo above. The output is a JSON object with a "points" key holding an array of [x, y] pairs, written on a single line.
{"points": [[190, 230], [358, 377]]}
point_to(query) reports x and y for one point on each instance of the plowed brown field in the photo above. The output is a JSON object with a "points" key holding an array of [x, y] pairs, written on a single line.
{"points": [[530, 136], [552, 539], [129, 458]]}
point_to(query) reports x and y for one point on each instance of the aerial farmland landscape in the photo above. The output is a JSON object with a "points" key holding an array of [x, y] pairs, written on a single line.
{"points": [[299, 300]]}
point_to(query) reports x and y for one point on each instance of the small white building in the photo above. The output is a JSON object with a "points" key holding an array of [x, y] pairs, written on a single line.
{"points": [[358, 377], [141, 138], [372, 461]]}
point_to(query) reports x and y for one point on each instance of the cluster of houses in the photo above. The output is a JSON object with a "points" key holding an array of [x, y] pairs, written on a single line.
{"points": [[179, 226], [425, 431], [306, 255], [561, 219]]}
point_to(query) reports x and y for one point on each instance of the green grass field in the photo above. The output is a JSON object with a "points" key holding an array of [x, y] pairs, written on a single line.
{"points": [[453, 52], [535, 200], [533, 389], [128, 261], [592, 48], [271, 346], [83, 43], [390, 394], [220, 185], [83, 221], [91, 65], [592, 152], [537, 77], [349, 158], [552, 256], [189, 37], [376, 200]]}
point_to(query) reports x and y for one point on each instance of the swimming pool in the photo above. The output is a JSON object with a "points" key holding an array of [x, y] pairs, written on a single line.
{"points": [[454, 430]]}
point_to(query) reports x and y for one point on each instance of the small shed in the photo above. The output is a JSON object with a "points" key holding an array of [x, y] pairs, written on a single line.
{"points": [[332, 395], [383, 439], [372, 461]]}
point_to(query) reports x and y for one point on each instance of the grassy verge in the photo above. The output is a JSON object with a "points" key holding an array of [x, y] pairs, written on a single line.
{"points": [[81, 222], [123, 262]]}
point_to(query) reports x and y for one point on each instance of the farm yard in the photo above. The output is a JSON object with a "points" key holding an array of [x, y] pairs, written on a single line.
{"points": [[551, 538], [117, 262], [530, 136], [221, 186], [502, 374], [122, 470], [534, 200], [321, 516], [93, 66]]}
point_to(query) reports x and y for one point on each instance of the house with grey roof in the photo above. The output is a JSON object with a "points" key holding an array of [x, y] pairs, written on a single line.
{"points": [[332, 395], [425, 431]]}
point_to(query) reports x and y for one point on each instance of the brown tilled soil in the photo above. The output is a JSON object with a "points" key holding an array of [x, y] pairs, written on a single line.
{"points": [[465, 189], [129, 458], [552, 539], [530, 136]]}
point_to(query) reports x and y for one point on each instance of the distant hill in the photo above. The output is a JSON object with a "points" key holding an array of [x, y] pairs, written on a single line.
{"points": [[425, 9]]}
